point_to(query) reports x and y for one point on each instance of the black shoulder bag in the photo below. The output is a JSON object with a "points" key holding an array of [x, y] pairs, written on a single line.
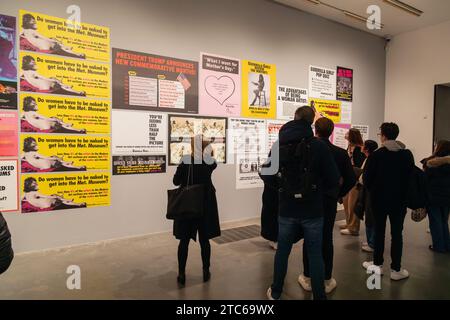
{"points": [[186, 202]]}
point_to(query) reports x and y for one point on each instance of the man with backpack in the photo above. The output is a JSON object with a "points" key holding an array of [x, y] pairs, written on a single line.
{"points": [[306, 169], [387, 176], [324, 127]]}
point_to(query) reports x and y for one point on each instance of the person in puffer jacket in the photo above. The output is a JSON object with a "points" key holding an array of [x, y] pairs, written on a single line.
{"points": [[437, 173], [6, 251]]}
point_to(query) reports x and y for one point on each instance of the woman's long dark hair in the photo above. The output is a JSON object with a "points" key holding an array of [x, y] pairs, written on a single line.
{"points": [[355, 137], [442, 149]]}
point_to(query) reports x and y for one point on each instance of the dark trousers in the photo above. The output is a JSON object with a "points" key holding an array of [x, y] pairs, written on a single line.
{"points": [[183, 249], [330, 209], [396, 218], [290, 230], [438, 217]]}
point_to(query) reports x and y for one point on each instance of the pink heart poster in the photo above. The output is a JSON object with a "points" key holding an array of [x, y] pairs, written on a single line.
{"points": [[219, 86]]}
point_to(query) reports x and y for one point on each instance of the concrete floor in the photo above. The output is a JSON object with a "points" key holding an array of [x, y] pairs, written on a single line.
{"points": [[146, 268]]}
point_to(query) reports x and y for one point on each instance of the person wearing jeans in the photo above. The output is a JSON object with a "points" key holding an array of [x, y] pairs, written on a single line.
{"points": [[437, 173], [295, 212], [290, 230], [324, 127]]}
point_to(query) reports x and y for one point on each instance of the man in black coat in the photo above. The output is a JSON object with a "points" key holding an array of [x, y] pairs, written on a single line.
{"points": [[297, 216], [6, 251], [324, 127], [386, 176]]}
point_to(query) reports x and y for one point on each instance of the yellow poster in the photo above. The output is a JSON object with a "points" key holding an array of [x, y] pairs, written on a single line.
{"points": [[52, 35], [49, 192], [55, 153], [55, 114], [326, 108], [259, 89], [57, 75]]}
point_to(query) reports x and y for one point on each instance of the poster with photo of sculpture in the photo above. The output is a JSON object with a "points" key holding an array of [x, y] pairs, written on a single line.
{"points": [[141, 164], [9, 189], [259, 90], [58, 36], [62, 191], [322, 83], [8, 133], [219, 86], [247, 171], [64, 76], [143, 81], [8, 63], [139, 133], [289, 99], [64, 115], [183, 128], [55, 153], [326, 108], [344, 86]]}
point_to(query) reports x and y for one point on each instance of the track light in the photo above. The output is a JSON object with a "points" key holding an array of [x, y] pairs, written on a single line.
{"points": [[360, 18], [405, 7]]}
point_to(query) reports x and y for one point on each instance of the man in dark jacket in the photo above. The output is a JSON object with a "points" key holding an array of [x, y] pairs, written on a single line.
{"points": [[324, 127], [386, 176], [307, 216], [6, 251]]}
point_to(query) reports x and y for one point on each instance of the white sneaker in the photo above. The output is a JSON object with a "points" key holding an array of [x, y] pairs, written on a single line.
{"points": [[399, 275], [368, 265], [273, 245], [305, 282], [366, 248], [269, 294], [364, 244], [330, 285]]}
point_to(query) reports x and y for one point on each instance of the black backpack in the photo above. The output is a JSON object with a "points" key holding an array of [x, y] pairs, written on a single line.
{"points": [[6, 251], [417, 191], [297, 179]]}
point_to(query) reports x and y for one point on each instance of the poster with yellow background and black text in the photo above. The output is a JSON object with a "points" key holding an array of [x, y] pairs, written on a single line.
{"points": [[50, 192]]}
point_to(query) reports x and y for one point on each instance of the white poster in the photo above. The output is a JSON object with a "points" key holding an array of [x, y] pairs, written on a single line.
{"points": [[289, 99], [364, 129], [322, 83], [338, 136], [346, 112], [247, 143], [247, 169], [139, 133], [9, 196], [273, 128]]}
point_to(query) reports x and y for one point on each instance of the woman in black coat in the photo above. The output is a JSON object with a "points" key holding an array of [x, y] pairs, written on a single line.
{"points": [[208, 227], [437, 173], [269, 211], [6, 251]]}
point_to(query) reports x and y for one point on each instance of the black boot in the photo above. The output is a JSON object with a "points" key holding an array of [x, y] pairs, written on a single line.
{"points": [[181, 279], [206, 275]]}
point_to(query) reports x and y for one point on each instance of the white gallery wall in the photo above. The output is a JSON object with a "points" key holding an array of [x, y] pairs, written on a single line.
{"points": [[252, 29], [416, 62]]}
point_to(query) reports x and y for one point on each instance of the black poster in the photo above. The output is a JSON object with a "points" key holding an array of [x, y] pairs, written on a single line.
{"points": [[144, 81]]}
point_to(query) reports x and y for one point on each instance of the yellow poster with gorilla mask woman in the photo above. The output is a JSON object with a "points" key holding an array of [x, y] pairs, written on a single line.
{"points": [[70, 77], [50, 192], [55, 153], [259, 90], [52, 35]]}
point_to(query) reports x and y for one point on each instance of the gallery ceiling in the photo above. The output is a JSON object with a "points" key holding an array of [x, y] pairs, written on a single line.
{"points": [[394, 19]]}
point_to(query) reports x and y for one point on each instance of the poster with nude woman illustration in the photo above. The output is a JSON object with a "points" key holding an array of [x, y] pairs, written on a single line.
{"points": [[70, 77], [50, 192], [259, 86], [52, 35]]}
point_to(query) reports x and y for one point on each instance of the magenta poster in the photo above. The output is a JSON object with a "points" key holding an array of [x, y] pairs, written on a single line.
{"points": [[219, 86], [8, 63], [344, 85], [8, 133]]}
